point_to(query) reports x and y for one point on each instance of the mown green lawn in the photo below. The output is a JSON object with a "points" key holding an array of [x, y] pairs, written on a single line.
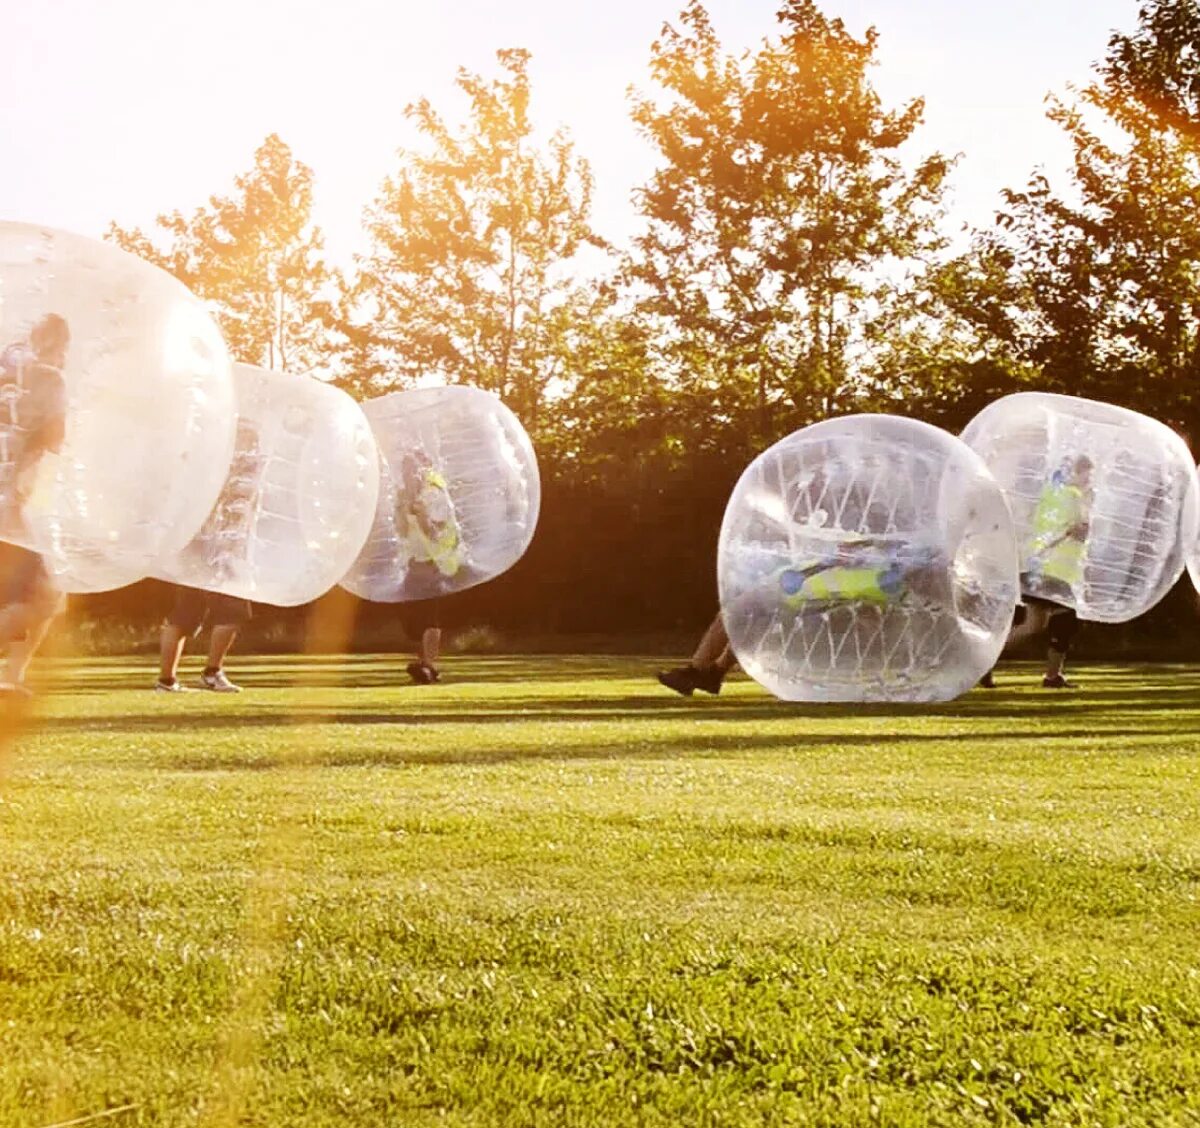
{"points": [[550, 892]]}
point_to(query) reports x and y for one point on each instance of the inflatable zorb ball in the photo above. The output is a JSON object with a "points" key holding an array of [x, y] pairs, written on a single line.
{"points": [[299, 498], [868, 558], [458, 497], [1193, 559], [1104, 500], [116, 408]]}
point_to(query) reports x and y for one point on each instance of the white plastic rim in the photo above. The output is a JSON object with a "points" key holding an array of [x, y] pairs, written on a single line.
{"points": [[1193, 559], [459, 495], [299, 499], [148, 428], [867, 558]]}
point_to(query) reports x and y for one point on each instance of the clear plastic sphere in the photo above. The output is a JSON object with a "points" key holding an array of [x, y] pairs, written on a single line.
{"points": [[299, 500], [1104, 500], [458, 498], [1193, 559], [116, 408], [868, 558]]}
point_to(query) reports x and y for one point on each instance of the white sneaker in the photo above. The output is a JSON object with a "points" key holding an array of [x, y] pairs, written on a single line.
{"points": [[175, 686], [218, 683]]}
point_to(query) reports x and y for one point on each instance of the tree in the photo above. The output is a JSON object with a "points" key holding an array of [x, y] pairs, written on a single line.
{"points": [[780, 223], [614, 421], [257, 257], [467, 278], [1157, 67], [1095, 291]]}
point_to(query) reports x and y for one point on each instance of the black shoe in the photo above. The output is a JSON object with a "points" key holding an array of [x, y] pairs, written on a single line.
{"points": [[1057, 681], [682, 679], [421, 673], [987, 681], [709, 679]]}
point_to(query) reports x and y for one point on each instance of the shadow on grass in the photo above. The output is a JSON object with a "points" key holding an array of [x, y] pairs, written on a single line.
{"points": [[1179, 704], [354, 671], [686, 747], [606, 718]]}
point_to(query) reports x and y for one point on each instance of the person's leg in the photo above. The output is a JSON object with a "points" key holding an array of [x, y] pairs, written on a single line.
{"points": [[1064, 626], [726, 660], [218, 647], [1029, 619], [712, 659], [713, 647], [37, 624], [14, 574], [423, 622], [228, 615], [33, 604], [431, 646], [170, 651], [185, 618]]}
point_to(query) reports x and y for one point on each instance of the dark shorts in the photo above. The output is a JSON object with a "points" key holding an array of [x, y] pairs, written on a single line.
{"points": [[1062, 625], [193, 607], [23, 575]]}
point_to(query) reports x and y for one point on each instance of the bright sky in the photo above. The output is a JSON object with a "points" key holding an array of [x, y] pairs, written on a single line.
{"points": [[120, 109]]}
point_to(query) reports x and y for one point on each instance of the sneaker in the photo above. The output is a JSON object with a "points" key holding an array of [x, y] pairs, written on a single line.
{"points": [[218, 683], [682, 679], [709, 679], [988, 681], [173, 686], [1057, 681], [422, 673]]}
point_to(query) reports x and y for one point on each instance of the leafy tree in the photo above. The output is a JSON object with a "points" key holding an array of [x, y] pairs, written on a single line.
{"points": [[1157, 67], [614, 420], [780, 223], [472, 243], [257, 257], [1096, 290]]}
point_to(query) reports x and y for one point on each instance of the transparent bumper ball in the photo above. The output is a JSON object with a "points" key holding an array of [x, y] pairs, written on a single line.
{"points": [[299, 499], [868, 558], [1193, 557], [458, 499], [1104, 500], [116, 408]]}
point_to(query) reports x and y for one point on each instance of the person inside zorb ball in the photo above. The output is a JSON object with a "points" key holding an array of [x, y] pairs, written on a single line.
{"points": [[116, 386], [1054, 553], [425, 518], [459, 495], [1104, 500], [867, 559]]}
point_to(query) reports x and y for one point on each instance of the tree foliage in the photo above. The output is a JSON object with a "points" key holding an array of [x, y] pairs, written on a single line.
{"points": [[256, 256], [1156, 68], [789, 266], [780, 221], [1095, 290], [468, 275]]}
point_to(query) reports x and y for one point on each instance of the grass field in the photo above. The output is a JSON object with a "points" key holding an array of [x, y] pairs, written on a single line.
{"points": [[549, 892]]}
